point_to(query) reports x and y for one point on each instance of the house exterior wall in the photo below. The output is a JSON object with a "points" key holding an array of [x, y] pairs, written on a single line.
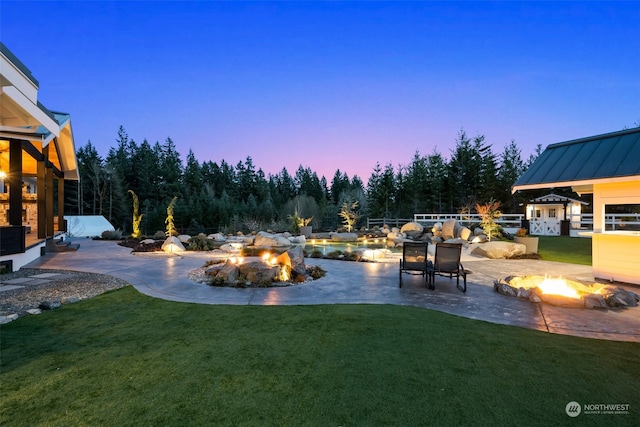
{"points": [[615, 253]]}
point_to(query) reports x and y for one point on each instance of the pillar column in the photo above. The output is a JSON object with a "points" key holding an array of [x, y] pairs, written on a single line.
{"points": [[14, 179], [41, 199], [61, 204]]}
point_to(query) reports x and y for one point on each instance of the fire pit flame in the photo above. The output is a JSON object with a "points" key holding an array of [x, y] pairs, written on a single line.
{"points": [[558, 286]]}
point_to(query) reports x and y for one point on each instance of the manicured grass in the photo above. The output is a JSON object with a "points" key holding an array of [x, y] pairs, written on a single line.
{"points": [[126, 359], [572, 250]]}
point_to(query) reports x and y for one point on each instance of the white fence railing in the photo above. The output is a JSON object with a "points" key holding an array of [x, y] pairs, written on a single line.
{"points": [[514, 221], [391, 222], [507, 221], [612, 222]]}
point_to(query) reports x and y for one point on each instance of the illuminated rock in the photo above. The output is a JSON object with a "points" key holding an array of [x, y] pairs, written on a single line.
{"points": [[172, 245], [499, 250], [268, 240], [412, 226], [344, 237]]}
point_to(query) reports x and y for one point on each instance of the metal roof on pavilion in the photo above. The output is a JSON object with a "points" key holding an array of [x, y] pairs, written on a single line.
{"points": [[583, 162]]}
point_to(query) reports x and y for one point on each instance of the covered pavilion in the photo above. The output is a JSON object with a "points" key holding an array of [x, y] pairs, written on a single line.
{"points": [[37, 155], [607, 166]]}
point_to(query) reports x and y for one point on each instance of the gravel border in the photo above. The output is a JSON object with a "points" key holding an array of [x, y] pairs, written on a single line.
{"points": [[73, 286]]}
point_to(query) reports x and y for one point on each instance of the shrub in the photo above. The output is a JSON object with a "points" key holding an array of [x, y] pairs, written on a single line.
{"points": [[200, 243], [159, 235], [315, 272], [316, 253], [351, 256], [112, 234], [334, 255]]}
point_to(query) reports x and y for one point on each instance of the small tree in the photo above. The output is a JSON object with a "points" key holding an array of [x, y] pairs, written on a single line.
{"points": [[171, 229], [489, 212], [137, 218], [297, 221], [349, 214]]}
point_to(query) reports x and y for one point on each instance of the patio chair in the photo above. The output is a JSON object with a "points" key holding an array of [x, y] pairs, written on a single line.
{"points": [[414, 259], [447, 263]]}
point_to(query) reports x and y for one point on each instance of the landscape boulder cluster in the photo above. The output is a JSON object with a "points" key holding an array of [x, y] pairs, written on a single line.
{"points": [[450, 231]]}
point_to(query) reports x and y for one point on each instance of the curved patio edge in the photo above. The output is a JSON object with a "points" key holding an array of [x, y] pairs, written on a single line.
{"points": [[166, 277]]}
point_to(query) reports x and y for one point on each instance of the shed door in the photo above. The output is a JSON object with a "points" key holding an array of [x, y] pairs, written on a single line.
{"points": [[545, 221]]}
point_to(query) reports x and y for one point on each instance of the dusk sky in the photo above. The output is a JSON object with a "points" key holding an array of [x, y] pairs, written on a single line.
{"points": [[331, 85]]}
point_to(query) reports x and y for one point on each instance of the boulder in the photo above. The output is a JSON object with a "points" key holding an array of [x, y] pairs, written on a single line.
{"points": [[231, 248], [414, 234], [229, 273], [296, 257], [259, 273], [594, 301], [458, 241], [481, 238], [264, 239], [465, 233], [184, 238], [504, 288], [218, 237], [9, 318], [173, 245], [396, 237], [214, 269], [344, 237], [298, 240], [412, 226], [284, 259], [50, 305], [449, 229], [400, 243], [147, 242], [499, 250]]}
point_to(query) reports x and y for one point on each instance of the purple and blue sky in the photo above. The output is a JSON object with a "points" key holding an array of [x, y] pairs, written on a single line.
{"points": [[331, 85]]}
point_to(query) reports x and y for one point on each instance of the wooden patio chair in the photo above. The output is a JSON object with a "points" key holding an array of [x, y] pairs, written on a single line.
{"points": [[414, 259], [447, 263]]}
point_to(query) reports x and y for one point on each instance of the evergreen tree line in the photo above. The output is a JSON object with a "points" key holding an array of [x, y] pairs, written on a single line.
{"points": [[222, 197]]}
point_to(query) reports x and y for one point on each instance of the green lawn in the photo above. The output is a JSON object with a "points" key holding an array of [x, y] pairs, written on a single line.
{"points": [[126, 359], [572, 250]]}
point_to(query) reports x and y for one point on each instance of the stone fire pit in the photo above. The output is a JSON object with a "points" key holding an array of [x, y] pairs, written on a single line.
{"points": [[566, 293], [268, 270]]}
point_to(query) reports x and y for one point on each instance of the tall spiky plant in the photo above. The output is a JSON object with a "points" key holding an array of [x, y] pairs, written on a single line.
{"points": [[171, 229], [137, 218]]}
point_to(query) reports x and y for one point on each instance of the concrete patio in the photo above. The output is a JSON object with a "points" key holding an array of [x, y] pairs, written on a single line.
{"points": [[166, 276]]}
